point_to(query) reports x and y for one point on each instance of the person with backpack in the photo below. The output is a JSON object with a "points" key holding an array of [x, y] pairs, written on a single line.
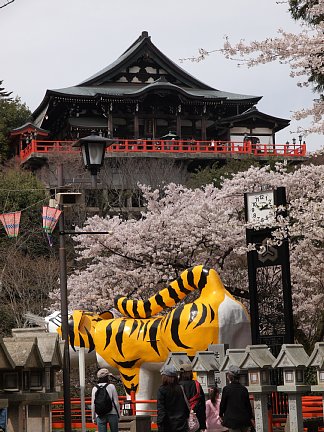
{"points": [[104, 403], [213, 420], [194, 394]]}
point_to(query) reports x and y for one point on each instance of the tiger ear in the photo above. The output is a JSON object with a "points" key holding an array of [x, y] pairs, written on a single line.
{"points": [[106, 315], [77, 316]]}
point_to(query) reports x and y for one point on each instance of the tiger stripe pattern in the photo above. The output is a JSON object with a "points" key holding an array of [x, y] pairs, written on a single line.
{"points": [[127, 343], [167, 297]]}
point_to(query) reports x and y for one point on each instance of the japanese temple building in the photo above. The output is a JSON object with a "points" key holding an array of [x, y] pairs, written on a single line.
{"points": [[154, 110], [143, 94]]}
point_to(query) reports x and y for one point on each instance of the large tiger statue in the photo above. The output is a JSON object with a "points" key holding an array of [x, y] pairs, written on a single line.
{"points": [[138, 343]]}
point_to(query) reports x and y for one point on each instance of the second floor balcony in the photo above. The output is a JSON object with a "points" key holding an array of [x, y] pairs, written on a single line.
{"points": [[40, 149]]}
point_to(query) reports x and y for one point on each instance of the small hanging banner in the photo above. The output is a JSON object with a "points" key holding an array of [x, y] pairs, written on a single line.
{"points": [[11, 222], [50, 218]]}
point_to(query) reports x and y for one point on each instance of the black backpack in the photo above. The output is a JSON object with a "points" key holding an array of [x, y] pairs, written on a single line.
{"points": [[103, 403]]}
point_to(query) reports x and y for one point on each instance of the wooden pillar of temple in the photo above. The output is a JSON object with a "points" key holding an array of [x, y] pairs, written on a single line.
{"points": [[179, 125], [203, 128], [110, 124], [136, 125], [193, 127]]}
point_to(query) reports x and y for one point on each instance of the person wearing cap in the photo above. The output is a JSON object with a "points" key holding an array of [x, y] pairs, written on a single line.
{"points": [[235, 408], [104, 378], [194, 393], [172, 408]]}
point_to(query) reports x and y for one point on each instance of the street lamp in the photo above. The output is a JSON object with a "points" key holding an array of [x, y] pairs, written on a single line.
{"points": [[93, 153]]}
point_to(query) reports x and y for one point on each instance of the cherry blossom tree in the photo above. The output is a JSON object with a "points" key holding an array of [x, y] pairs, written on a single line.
{"points": [[302, 51], [183, 227]]}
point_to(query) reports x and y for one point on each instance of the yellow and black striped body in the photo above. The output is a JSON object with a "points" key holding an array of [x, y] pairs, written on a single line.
{"points": [[167, 297], [126, 343]]}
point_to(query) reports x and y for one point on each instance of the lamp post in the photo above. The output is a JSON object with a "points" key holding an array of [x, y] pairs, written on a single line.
{"points": [[93, 153], [64, 313]]}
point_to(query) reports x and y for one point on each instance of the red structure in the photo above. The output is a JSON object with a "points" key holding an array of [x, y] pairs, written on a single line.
{"points": [[205, 149], [144, 95]]}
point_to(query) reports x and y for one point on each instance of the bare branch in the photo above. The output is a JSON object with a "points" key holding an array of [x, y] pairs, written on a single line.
{"points": [[7, 2]]}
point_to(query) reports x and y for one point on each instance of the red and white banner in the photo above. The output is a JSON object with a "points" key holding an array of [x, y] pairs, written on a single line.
{"points": [[11, 222], [50, 218]]}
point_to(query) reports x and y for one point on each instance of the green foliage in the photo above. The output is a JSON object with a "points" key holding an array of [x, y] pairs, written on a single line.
{"points": [[218, 171], [20, 190], [3, 92], [28, 265], [13, 113]]}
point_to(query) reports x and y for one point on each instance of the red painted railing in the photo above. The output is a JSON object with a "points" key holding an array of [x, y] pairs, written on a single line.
{"points": [[312, 407], [38, 148], [58, 412]]}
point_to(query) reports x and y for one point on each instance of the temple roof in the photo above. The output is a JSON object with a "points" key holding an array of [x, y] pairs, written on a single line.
{"points": [[255, 116], [143, 45], [28, 127], [143, 68], [131, 90]]}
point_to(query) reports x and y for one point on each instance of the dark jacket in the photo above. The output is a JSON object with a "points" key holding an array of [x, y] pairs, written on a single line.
{"points": [[200, 408], [235, 407], [172, 410]]}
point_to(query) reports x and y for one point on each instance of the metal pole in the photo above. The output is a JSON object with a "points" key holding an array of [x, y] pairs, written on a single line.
{"points": [[253, 291], [64, 314], [82, 387], [94, 181]]}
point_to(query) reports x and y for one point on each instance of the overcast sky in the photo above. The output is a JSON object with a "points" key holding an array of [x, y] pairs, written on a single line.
{"points": [[56, 44]]}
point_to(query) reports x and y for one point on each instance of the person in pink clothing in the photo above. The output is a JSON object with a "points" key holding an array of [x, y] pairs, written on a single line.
{"points": [[213, 420]]}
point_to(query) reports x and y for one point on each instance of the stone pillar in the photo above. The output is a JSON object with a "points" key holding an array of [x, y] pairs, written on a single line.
{"points": [[295, 412], [16, 417], [261, 412]]}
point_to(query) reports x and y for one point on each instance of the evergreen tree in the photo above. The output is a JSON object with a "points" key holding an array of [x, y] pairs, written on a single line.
{"points": [[13, 113], [3, 93]]}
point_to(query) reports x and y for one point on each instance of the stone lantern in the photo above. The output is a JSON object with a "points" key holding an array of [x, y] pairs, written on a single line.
{"points": [[176, 359], [220, 351], [234, 357], [6, 364], [205, 364], [29, 362], [258, 362], [49, 348], [293, 359], [317, 360]]}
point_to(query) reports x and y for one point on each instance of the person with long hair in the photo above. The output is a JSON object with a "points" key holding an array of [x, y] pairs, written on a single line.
{"points": [[194, 393], [172, 409], [213, 421]]}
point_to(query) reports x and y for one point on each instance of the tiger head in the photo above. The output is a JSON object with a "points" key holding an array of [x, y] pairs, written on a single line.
{"points": [[81, 328]]}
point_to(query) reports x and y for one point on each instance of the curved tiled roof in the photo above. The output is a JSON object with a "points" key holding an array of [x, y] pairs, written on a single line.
{"points": [[103, 83]]}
